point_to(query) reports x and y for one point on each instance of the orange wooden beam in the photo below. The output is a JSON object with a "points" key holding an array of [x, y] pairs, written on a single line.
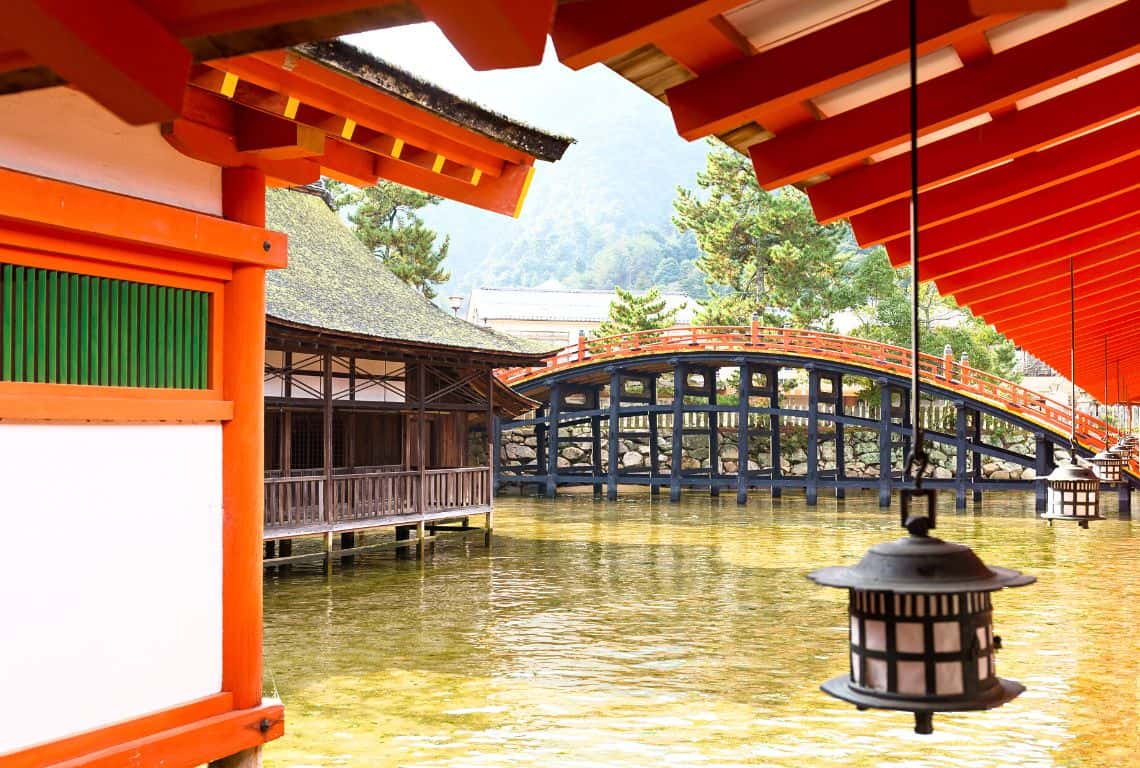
{"points": [[983, 7], [1049, 288], [855, 48], [218, 147], [275, 138], [847, 139], [1116, 214], [1011, 136], [504, 194], [704, 47], [1025, 212], [1004, 183], [494, 34], [113, 50], [1091, 298], [1095, 327], [592, 31], [968, 285]]}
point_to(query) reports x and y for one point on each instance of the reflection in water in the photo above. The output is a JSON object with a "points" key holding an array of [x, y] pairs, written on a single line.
{"points": [[643, 633]]}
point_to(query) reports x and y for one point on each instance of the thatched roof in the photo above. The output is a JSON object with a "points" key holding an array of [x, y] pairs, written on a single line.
{"points": [[333, 283], [383, 76]]}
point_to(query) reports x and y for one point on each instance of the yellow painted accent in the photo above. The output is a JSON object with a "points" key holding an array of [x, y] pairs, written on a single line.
{"points": [[397, 148], [229, 84], [291, 107], [475, 176], [437, 166], [347, 130], [525, 189]]}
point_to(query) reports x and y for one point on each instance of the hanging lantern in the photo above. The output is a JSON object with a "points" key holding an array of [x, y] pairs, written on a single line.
{"points": [[1074, 495], [921, 627], [1108, 465]]}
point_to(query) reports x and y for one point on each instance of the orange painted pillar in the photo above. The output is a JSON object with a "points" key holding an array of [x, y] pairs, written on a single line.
{"points": [[243, 475], [581, 346], [754, 330], [948, 363]]}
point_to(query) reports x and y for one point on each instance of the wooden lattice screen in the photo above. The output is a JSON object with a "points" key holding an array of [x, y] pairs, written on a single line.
{"points": [[67, 328]]}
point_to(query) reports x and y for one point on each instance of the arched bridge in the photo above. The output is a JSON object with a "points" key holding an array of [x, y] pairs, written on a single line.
{"points": [[741, 408]]}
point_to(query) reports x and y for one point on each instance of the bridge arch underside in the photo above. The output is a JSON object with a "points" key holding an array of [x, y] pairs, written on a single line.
{"points": [[762, 421]]}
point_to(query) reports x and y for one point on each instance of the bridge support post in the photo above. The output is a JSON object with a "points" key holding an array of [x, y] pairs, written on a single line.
{"points": [[678, 430], [596, 439], [540, 432], [1124, 501], [713, 424], [774, 424], [840, 445], [961, 455], [977, 460], [654, 449], [884, 443], [615, 428], [744, 392], [811, 492], [1043, 453], [554, 416]]}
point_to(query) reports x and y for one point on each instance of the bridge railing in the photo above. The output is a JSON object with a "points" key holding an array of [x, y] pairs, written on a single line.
{"points": [[943, 372]]}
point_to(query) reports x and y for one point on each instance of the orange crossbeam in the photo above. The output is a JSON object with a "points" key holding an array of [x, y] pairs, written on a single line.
{"points": [[494, 34], [983, 86], [1041, 298], [855, 48]]}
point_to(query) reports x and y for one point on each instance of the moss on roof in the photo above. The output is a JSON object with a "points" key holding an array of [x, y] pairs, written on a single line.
{"points": [[333, 282], [383, 76]]}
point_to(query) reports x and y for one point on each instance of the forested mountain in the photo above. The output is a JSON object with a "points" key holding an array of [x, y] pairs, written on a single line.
{"points": [[600, 217]]}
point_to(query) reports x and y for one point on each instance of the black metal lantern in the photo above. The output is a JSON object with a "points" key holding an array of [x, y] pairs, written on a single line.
{"points": [[1108, 465], [1074, 495], [921, 627]]}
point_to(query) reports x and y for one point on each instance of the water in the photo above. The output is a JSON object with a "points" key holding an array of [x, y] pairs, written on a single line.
{"points": [[642, 633]]}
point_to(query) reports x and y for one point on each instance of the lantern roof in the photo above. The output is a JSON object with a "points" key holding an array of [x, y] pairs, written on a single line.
{"points": [[921, 564]]}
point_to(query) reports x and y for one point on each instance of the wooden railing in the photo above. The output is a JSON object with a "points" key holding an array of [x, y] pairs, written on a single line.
{"points": [[300, 502], [943, 372]]}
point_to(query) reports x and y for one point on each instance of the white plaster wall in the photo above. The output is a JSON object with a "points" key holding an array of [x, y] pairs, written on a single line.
{"points": [[110, 574], [62, 134]]}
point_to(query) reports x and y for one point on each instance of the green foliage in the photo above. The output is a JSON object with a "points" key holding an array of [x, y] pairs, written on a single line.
{"points": [[884, 313], [761, 252], [629, 313], [385, 219]]}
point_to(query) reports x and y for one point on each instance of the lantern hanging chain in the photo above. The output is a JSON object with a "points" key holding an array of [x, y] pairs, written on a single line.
{"points": [[917, 461], [1072, 363]]}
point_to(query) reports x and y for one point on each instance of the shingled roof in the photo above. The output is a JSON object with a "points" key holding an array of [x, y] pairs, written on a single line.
{"points": [[333, 283]]}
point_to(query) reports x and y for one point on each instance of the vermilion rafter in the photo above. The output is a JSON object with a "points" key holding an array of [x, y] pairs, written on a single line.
{"points": [[1011, 136], [494, 34], [1026, 212], [1046, 295], [834, 56], [1004, 183], [845, 139]]}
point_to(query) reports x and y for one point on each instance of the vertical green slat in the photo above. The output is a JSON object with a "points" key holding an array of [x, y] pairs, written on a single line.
{"points": [[112, 326], [152, 340], [144, 335], [196, 360], [83, 348], [204, 335], [64, 325], [32, 278], [6, 308], [160, 342], [106, 332], [125, 334], [176, 336], [52, 307], [96, 304], [188, 339], [171, 339], [41, 325], [18, 324], [133, 346], [73, 352]]}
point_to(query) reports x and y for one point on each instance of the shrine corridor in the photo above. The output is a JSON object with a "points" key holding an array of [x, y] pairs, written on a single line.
{"points": [[643, 633]]}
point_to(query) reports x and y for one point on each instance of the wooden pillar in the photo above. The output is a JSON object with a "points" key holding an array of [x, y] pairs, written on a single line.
{"points": [[1043, 453], [596, 439], [328, 548], [1124, 500], [347, 541], [540, 431], [678, 430], [420, 542], [421, 440], [884, 443], [287, 443], [811, 492], [961, 439], [774, 426], [552, 450], [654, 451], [840, 444], [243, 447], [270, 550], [714, 432], [977, 457], [615, 428], [327, 437], [494, 435], [743, 394]]}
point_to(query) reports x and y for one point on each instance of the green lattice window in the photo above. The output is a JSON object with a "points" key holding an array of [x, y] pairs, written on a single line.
{"points": [[67, 328]]}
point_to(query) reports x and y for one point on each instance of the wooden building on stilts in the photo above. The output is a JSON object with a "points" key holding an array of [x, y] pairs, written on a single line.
{"points": [[378, 404]]}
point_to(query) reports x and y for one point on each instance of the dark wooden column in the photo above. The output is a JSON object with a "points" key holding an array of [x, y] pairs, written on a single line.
{"points": [[678, 430], [743, 394], [327, 435], [977, 458], [961, 475], [774, 424], [495, 440], [714, 431], [555, 415], [840, 445], [654, 452], [421, 437], [596, 439], [811, 492], [1043, 453], [540, 431], [884, 443], [615, 427]]}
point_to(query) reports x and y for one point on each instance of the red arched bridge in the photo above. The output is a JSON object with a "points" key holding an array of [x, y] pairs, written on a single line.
{"points": [[749, 407]]}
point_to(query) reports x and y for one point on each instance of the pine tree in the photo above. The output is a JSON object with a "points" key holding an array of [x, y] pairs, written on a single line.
{"points": [[630, 312], [384, 218]]}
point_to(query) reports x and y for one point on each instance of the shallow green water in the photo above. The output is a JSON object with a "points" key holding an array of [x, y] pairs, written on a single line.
{"points": [[642, 633]]}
